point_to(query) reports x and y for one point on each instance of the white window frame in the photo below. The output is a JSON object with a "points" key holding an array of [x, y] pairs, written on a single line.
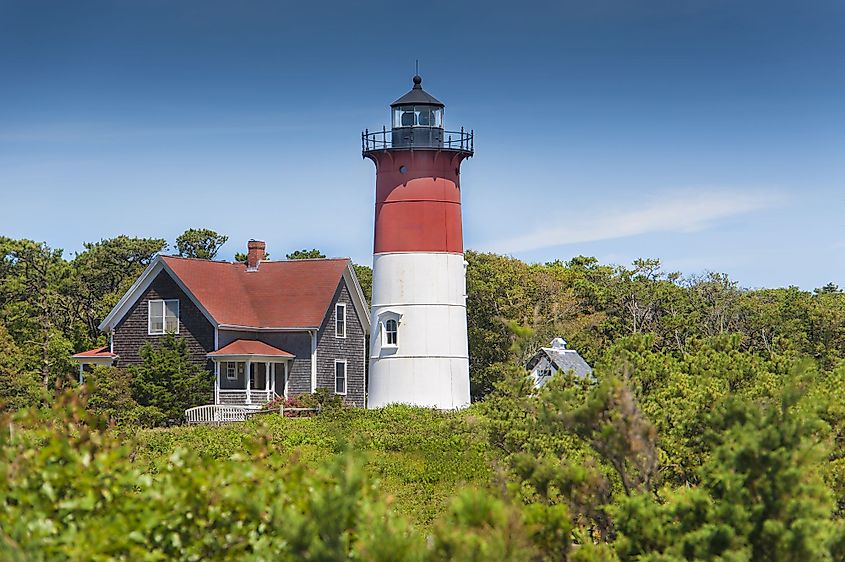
{"points": [[385, 342], [338, 306], [231, 370], [163, 302], [345, 376]]}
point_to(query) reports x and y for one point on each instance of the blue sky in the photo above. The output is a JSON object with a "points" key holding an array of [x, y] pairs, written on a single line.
{"points": [[710, 134]]}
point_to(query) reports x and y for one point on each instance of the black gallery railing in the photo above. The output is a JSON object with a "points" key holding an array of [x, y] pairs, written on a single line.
{"points": [[417, 137]]}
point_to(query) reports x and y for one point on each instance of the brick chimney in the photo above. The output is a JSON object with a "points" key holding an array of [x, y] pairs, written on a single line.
{"points": [[255, 253]]}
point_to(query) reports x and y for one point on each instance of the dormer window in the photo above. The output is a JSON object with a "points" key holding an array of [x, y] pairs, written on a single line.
{"points": [[163, 316], [388, 327]]}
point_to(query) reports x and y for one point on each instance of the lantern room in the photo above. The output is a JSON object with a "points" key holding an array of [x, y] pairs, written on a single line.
{"points": [[417, 123], [417, 119]]}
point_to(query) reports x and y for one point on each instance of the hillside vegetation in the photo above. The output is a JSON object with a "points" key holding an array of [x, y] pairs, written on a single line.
{"points": [[420, 458], [713, 429]]}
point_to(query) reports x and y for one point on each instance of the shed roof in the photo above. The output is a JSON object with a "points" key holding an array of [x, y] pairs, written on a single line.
{"points": [[566, 360]]}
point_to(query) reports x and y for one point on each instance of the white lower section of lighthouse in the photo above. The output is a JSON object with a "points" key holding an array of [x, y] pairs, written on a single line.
{"points": [[425, 361]]}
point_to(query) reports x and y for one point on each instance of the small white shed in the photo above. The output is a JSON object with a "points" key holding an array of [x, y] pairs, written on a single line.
{"points": [[549, 360]]}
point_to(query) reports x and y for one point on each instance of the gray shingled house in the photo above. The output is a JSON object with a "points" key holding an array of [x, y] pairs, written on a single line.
{"points": [[264, 328]]}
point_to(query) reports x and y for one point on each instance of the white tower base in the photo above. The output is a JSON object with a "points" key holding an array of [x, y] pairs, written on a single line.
{"points": [[425, 293]]}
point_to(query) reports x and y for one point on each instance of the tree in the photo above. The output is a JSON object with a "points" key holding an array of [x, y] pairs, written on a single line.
{"points": [[761, 495], [105, 270], [109, 393], [37, 305], [18, 388], [168, 380], [365, 279], [306, 255], [200, 243]]}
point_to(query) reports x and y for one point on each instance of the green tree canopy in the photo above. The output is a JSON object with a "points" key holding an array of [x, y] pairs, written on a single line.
{"points": [[305, 254], [761, 496], [168, 380], [105, 270], [200, 243]]}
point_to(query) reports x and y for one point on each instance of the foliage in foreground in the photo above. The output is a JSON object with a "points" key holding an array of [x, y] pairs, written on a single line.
{"points": [[584, 480], [740, 463], [421, 458], [71, 492]]}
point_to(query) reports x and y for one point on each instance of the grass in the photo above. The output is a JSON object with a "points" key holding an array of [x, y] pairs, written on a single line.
{"points": [[419, 458]]}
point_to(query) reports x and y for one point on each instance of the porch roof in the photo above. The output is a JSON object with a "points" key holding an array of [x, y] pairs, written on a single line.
{"points": [[96, 353], [239, 348]]}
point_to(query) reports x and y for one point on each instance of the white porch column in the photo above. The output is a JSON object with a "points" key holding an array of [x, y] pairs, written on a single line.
{"points": [[248, 383], [273, 379], [81, 371], [313, 360], [267, 379], [216, 382], [285, 389]]}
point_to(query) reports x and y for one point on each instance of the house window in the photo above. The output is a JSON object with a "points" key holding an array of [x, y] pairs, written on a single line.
{"points": [[340, 320], [391, 333], [340, 376], [163, 316], [231, 373]]}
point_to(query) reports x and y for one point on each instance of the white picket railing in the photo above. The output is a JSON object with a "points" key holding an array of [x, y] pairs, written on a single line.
{"points": [[238, 397], [215, 414]]}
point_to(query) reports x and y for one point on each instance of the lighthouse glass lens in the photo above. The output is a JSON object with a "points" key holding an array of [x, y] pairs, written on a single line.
{"points": [[437, 117], [423, 116], [408, 117]]}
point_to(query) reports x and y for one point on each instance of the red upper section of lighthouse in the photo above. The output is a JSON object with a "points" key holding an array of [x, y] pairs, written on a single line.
{"points": [[418, 201], [418, 197]]}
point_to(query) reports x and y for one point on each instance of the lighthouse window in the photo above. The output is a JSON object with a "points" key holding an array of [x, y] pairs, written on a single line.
{"points": [[436, 116], [391, 335], [418, 116], [408, 119], [424, 116]]}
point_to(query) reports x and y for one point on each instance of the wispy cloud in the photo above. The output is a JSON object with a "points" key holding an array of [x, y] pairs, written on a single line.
{"points": [[685, 212]]}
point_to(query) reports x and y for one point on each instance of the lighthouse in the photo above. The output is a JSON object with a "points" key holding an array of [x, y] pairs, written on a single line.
{"points": [[418, 334]]}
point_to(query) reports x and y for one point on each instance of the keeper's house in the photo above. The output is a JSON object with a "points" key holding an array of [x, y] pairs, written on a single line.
{"points": [[265, 328]]}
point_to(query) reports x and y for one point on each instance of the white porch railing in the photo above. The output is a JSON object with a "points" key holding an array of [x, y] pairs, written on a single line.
{"points": [[257, 398], [215, 414]]}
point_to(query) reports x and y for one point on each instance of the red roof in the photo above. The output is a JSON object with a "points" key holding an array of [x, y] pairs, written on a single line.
{"points": [[250, 347], [280, 294], [97, 353]]}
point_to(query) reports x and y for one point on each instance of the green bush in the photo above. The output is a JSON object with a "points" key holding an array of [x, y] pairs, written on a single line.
{"points": [[169, 381], [71, 492], [110, 398]]}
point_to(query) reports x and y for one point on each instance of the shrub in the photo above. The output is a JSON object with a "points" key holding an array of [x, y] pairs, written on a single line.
{"points": [[292, 402], [71, 492], [169, 381], [110, 398], [322, 398], [18, 387]]}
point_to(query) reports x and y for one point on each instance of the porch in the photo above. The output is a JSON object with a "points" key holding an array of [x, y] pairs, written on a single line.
{"points": [[87, 360], [250, 373]]}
